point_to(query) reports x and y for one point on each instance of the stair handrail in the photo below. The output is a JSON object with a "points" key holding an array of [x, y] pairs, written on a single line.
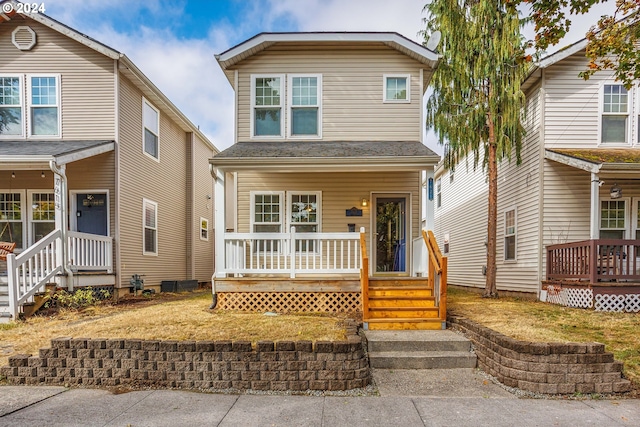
{"points": [[364, 274], [32, 269], [437, 267]]}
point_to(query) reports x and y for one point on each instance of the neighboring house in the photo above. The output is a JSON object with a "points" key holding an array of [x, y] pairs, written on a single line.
{"points": [[579, 182], [328, 140], [102, 176]]}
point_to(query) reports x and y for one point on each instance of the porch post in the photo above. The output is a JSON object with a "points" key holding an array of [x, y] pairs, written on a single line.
{"points": [[595, 197], [61, 220], [220, 227]]}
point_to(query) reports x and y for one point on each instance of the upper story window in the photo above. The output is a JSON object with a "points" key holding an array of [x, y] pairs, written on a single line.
{"points": [[615, 113], [266, 105], [438, 192], [11, 106], [304, 102], [44, 106], [396, 88], [151, 129]]}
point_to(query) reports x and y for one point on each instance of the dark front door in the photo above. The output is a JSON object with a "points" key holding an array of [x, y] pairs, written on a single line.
{"points": [[391, 235], [91, 213]]}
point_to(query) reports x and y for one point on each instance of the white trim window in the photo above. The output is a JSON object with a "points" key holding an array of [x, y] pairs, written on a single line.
{"points": [[267, 98], [510, 234], [149, 227], [305, 215], [11, 218], [267, 215], [305, 93], [42, 215], [613, 215], [150, 130], [11, 109], [615, 114], [204, 229], [396, 88], [438, 192], [44, 105]]}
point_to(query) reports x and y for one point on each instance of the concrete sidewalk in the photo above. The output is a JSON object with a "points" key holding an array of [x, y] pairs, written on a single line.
{"points": [[57, 406]]}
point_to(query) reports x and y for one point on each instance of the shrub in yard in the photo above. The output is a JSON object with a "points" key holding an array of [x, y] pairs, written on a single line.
{"points": [[79, 298]]}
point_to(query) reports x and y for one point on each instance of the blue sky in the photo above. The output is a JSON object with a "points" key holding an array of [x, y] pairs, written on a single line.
{"points": [[174, 42]]}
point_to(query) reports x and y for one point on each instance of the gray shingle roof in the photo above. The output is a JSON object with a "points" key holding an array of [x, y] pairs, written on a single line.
{"points": [[45, 148]]}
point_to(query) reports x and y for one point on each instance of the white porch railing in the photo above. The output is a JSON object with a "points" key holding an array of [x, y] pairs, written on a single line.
{"points": [[90, 251], [292, 253], [38, 265], [32, 269]]}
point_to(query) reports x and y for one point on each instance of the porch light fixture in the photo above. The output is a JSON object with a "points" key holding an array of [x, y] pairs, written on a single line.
{"points": [[364, 203], [42, 174], [616, 191], [13, 174]]}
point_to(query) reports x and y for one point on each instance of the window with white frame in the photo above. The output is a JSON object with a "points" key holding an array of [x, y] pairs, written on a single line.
{"points": [[438, 192], [43, 215], [150, 226], [44, 99], [204, 229], [613, 216], [304, 215], [266, 105], [510, 235], [11, 218], [304, 105], [151, 129], [266, 216], [615, 113], [11, 117], [396, 88]]}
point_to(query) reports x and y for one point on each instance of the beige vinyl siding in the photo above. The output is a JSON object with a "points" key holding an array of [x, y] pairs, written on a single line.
{"points": [[163, 182], [340, 191], [572, 117], [203, 207], [352, 90], [86, 78]]}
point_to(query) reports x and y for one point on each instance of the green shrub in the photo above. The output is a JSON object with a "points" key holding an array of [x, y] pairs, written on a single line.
{"points": [[79, 298]]}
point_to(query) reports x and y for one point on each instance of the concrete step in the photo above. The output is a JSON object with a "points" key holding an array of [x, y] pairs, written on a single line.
{"points": [[416, 341], [422, 360]]}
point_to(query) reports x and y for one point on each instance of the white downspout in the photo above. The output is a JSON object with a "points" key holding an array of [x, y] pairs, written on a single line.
{"points": [[595, 197], [61, 219]]}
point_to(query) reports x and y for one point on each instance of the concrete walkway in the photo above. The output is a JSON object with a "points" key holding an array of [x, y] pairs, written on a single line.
{"points": [[457, 397]]}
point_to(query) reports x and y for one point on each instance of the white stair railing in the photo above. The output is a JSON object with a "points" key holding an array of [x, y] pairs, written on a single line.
{"points": [[32, 269], [90, 251]]}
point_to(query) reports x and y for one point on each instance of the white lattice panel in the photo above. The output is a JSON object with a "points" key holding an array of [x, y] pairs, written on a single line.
{"points": [[579, 298], [284, 302], [632, 303], [556, 295], [608, 302]]}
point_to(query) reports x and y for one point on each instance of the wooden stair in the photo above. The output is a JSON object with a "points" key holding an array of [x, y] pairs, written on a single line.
{"points": [[39, 300], [401, 303]]}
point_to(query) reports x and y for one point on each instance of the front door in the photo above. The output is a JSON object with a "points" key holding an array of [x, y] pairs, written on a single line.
{"points": [[390, 247], [91, 213]]}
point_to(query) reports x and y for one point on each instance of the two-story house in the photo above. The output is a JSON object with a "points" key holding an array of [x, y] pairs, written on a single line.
{"points": [[328, 143], [571, 210], [102, 176]]}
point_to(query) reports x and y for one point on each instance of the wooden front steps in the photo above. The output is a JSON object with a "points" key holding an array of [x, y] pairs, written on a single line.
{"points": [[39, 299], [396, 303]]}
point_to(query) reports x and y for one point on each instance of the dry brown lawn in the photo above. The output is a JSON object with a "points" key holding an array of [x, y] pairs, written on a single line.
{"points": [[538, 321], [165, 317]]}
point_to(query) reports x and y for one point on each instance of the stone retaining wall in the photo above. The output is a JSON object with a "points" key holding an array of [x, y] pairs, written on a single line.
{"points": [[552, 368], [219, 365]]}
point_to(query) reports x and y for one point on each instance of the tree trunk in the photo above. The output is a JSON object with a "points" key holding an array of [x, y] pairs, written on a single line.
{"points": [[490, 290]]}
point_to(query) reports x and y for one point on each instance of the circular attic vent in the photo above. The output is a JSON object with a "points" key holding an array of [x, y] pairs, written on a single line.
{"points": [[23, 37]]}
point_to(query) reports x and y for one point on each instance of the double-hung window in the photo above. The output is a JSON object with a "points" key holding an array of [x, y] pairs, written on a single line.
{"points": [[615, 114], [613, 214], [304, 102], [151, 129], [266, 105], [438, 192], [150, 227], [304, 215], [204, 229], [11, 218], [510, 235], [266, 217], [44, 101], [396, 88], [11, 111]]}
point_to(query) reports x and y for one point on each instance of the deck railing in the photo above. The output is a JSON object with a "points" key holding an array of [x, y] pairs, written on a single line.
{"points": [[594, 260], [90, 251], [292, 253], [364, 275], [437, 273]]}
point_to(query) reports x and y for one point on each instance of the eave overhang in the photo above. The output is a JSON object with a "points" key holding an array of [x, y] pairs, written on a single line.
{"points": [[598, 160], [15, 154]]}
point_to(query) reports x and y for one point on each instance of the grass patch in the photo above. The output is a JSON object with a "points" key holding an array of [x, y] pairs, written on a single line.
{"points": [[184, 317], [542, 322]]}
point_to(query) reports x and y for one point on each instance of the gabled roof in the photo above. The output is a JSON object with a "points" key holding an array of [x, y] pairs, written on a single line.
{"points": [[535, 72], [326, 156], [262, 41], [126, 66]]}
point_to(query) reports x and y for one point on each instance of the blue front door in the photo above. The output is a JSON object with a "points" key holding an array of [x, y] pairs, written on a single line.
{"points": [[91, 213]]}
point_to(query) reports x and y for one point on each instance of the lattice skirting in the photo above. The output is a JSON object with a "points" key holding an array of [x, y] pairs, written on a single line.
{"points": [[584, 298], [286, 302]]}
